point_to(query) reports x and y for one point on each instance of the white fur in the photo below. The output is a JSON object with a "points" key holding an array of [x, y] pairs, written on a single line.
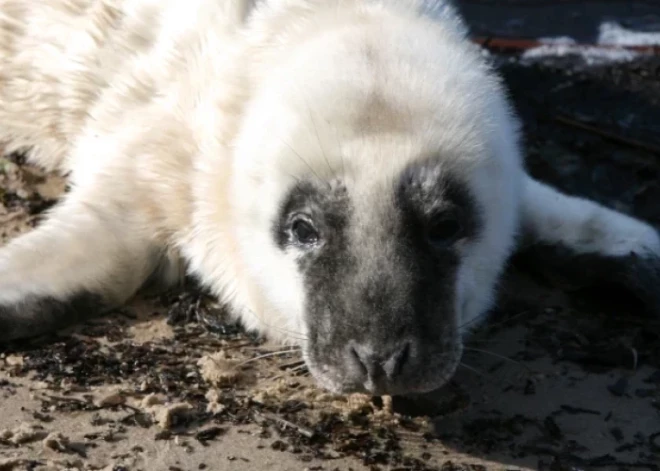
{"points": [[583, 225], [183, 124]]}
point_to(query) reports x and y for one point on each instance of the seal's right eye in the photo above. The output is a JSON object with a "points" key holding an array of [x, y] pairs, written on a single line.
{"points": [[444, 229], [303, 231]]}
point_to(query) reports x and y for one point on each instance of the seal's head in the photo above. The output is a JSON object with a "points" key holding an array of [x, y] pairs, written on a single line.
{"points": [[374, 197]]}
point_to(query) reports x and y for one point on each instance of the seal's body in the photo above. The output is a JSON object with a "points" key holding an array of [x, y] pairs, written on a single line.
{"points": [[344, 175]]}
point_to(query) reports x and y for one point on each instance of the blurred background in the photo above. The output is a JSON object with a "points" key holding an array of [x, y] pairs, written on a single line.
{"points": [[585, 77], [582, 20]]}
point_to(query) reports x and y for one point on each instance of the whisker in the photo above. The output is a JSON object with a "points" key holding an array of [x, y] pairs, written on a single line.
{"points": [[495, 324], [482, 341], [300, 370], [341, 154], [293, 364], [472, 321], [318, 138], [294, 335], [473, 370], [497, 355], [292, 176], [269, 355], [481, 373], [309, 166], [295, 371]]}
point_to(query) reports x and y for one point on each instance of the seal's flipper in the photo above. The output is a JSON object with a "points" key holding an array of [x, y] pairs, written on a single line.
{"points": [[589, 243], [80, 262]]}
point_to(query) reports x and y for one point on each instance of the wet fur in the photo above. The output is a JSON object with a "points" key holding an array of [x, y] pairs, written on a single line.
{"points": [[184, 126]]}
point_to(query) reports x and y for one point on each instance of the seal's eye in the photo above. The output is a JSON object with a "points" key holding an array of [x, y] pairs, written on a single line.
{"points": [[303, 231], [444, 229]]}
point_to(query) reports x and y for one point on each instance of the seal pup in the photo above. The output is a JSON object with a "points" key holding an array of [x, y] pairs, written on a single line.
{"points": [[343, 175]]}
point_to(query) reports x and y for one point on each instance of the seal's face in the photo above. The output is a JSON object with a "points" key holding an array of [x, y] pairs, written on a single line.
{"points": [[374, 204], [379, 271]]}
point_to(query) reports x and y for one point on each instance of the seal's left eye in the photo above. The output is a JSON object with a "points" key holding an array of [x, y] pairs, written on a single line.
{"points": [[444, 229], [304, 232]]}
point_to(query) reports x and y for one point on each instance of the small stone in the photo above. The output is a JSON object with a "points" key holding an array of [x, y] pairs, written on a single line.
{"points": [[113, 397], [57, 442], [166, 415], [387, 405], [14, 363], [13, 463], [218, 370], [617, 433], [39, 385], [24, 433], [151, 400], [214, 406], [619, 388]]}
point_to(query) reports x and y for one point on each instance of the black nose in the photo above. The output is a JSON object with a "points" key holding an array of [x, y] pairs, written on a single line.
{"points": [[377, 369]]}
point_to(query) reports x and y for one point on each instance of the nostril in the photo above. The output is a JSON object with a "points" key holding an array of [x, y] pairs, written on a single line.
{"points": [[357, 360], [397, 362], [366, 364]]}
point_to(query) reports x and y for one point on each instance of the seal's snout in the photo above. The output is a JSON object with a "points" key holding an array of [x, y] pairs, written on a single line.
{"points": [[378, 368]]}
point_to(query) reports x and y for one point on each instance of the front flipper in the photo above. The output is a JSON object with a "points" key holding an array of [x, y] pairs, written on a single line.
{"points": [[589, 244], [80, 262], [35, 314]]}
